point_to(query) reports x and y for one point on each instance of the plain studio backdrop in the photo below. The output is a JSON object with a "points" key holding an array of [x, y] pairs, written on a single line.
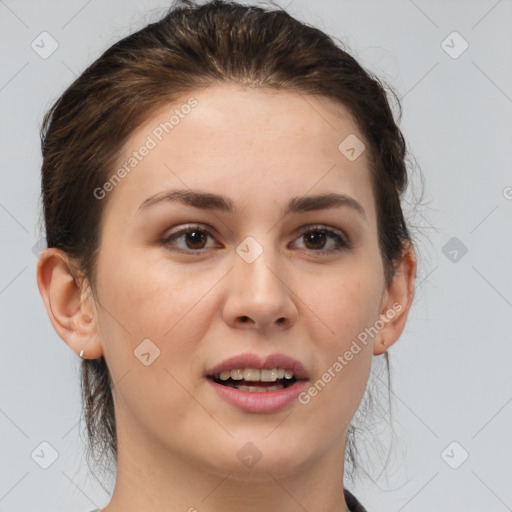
{"points": [[451, 65]]}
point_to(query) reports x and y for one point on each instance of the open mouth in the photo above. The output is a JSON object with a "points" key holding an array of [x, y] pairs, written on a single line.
{"points": [[255, 380], [255, 387]]}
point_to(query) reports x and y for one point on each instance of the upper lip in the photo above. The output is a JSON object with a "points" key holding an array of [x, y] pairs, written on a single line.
{"points": [[250, 360]]}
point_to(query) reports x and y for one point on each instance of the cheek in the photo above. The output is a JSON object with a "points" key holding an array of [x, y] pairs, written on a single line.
{"points": [[156, 301], [346, 302], [147, 309], [347, 306]]}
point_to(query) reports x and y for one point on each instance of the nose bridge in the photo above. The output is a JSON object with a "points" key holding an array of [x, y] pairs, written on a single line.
{"points": [[255, 266], [257, 291]]}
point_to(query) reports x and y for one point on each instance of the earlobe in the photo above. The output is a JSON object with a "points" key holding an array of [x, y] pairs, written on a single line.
{"points": [[397, 301], [68, 306]]}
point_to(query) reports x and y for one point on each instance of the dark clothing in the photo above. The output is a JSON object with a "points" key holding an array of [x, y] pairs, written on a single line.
{"points": [[352, 503]]}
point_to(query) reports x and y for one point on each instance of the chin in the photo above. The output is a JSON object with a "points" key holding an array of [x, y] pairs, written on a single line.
{"points": [[259, 459]]}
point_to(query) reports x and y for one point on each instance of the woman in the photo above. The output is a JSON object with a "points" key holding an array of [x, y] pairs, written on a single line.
{"points": [[227, 253]]}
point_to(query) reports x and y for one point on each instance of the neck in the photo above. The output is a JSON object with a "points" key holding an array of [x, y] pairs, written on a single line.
{"points": [[152, 479]]}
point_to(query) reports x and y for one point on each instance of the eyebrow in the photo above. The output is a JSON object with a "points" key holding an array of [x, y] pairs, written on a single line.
{"points": [[209, 201]]}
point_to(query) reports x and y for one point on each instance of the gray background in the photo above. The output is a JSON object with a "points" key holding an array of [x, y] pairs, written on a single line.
{"points": [[451, 368]]}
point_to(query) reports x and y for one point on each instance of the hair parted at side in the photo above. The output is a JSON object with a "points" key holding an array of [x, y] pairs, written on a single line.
{"points": [[191, 47]]}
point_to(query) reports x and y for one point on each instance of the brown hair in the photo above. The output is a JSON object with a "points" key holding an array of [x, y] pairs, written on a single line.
{"points": [[190, 48]]}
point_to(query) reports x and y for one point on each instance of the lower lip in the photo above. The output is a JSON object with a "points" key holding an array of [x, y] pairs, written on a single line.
{"points": [[264, 401]]}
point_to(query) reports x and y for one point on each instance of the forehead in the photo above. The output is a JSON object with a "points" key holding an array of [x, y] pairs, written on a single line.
{"points": [[240, 141]]}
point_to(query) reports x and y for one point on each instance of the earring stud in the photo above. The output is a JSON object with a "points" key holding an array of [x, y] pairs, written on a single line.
{"points": [[82, 353]]}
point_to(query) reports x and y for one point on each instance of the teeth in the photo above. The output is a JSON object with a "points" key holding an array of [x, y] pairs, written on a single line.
{"points": [[252, 374], [237, 374], [269, 375], [256, 375]]}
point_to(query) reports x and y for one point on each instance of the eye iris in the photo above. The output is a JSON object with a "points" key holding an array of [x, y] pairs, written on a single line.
{"points": [[196, 237], [314, 236]]}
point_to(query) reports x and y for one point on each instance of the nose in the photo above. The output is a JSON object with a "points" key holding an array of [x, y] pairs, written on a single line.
{"points": [[259, 294]]}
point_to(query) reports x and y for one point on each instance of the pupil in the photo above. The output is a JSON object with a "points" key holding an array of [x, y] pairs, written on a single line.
{"points": [[195, 234], [315, 235]]}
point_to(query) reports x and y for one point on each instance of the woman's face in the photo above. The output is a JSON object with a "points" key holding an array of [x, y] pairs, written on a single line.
{"points": [[249, 282]]}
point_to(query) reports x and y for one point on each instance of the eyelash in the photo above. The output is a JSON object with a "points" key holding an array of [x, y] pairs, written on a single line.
{"points": [[342, 241]]}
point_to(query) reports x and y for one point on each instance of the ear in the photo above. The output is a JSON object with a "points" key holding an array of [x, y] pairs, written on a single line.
{"points": [[70, 307], [396, 302]]}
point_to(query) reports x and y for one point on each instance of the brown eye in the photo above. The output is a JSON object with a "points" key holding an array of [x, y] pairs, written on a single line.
{"points": [[316, 238], [195, 239], [192, 239]]}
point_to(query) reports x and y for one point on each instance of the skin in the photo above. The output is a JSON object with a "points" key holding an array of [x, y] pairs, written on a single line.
{"points": [[178, 441]]}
